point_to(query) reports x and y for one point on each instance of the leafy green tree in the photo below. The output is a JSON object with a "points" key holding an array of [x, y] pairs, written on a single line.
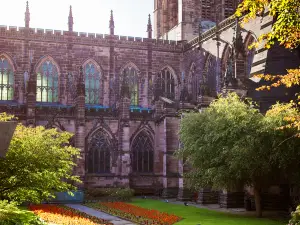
{"points": [[231, 144], [38, 163]]}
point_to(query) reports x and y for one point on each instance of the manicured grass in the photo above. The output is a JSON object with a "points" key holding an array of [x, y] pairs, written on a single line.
{"points": [[193, 215]]}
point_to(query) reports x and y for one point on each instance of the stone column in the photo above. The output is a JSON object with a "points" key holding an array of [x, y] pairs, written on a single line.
{"points": [[31, 99], [160, 156], [124, 141], [111, 96], [163, 143], [149, 82], [80, 125]]}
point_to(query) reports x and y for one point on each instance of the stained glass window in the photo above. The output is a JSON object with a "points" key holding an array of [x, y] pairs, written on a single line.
{"points": [[130, 73], [6, 79], [47, 82], [92, 83], [142, 153], [99, 149], [166, 83]]}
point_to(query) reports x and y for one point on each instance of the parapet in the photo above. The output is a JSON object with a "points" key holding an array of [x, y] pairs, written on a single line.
{"points": [[39, 34], [223, 25]]}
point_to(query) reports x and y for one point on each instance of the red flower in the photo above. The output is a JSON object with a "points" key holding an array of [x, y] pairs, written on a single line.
{"points": [[137, 214], [64, 215]]}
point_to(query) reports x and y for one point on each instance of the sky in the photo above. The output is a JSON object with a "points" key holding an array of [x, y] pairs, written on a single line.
{"points": [[92, 16]]}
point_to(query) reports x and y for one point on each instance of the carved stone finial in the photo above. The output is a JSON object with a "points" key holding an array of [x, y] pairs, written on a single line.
{"points": [[112, 23], [70, 22], [27, 15], [149, 27]]}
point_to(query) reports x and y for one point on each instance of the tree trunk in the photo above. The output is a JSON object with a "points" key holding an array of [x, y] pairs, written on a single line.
{"points": [[257, 198]]}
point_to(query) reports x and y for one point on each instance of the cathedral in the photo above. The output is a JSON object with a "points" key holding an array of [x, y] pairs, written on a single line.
{"points": [[120, 96]]}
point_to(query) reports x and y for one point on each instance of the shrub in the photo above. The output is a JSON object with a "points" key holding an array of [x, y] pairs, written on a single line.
{"points": [[10, 214], [295, 220], [124, 194]]}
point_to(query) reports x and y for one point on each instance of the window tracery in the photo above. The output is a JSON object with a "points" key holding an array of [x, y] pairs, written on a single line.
{"points": [[142, 153], [6, 79], [47, 82], [130, 73], [92, 83], [166, 83], [99, 153]]}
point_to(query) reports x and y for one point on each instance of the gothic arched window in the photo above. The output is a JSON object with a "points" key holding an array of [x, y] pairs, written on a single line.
{"points": [[47, 82], [99, 151], [166, 83], [130, 74], [92, 83], [6, 79], [142, 153], [209, 77], [193, 83]]}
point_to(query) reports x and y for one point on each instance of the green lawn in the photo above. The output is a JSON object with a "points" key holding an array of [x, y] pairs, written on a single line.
{"points": [[194, 216]]}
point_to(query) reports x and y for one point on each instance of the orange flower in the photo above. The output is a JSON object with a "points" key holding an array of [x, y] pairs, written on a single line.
{"points": [[65, 216]]}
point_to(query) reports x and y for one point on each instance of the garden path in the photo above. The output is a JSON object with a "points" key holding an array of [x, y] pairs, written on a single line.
{"points": [[113, 219]]}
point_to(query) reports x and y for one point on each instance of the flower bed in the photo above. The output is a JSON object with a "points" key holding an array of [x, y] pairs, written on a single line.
{"points": [[63, 215], [135, 213]]}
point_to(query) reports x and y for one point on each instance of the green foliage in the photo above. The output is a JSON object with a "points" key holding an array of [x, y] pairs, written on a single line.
{"points": [[295, 220], [6, 117], [231, 144], [38, 163], [109, 193], [10, 214], [285, 29]]}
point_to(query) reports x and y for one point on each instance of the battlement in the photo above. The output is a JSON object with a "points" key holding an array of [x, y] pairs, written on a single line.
{"points": [[83, 37]]}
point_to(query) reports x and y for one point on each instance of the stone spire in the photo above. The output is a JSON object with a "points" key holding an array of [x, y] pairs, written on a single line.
{"points": [[27, 15], [70, 21], [149, 27], [112, 23]]}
